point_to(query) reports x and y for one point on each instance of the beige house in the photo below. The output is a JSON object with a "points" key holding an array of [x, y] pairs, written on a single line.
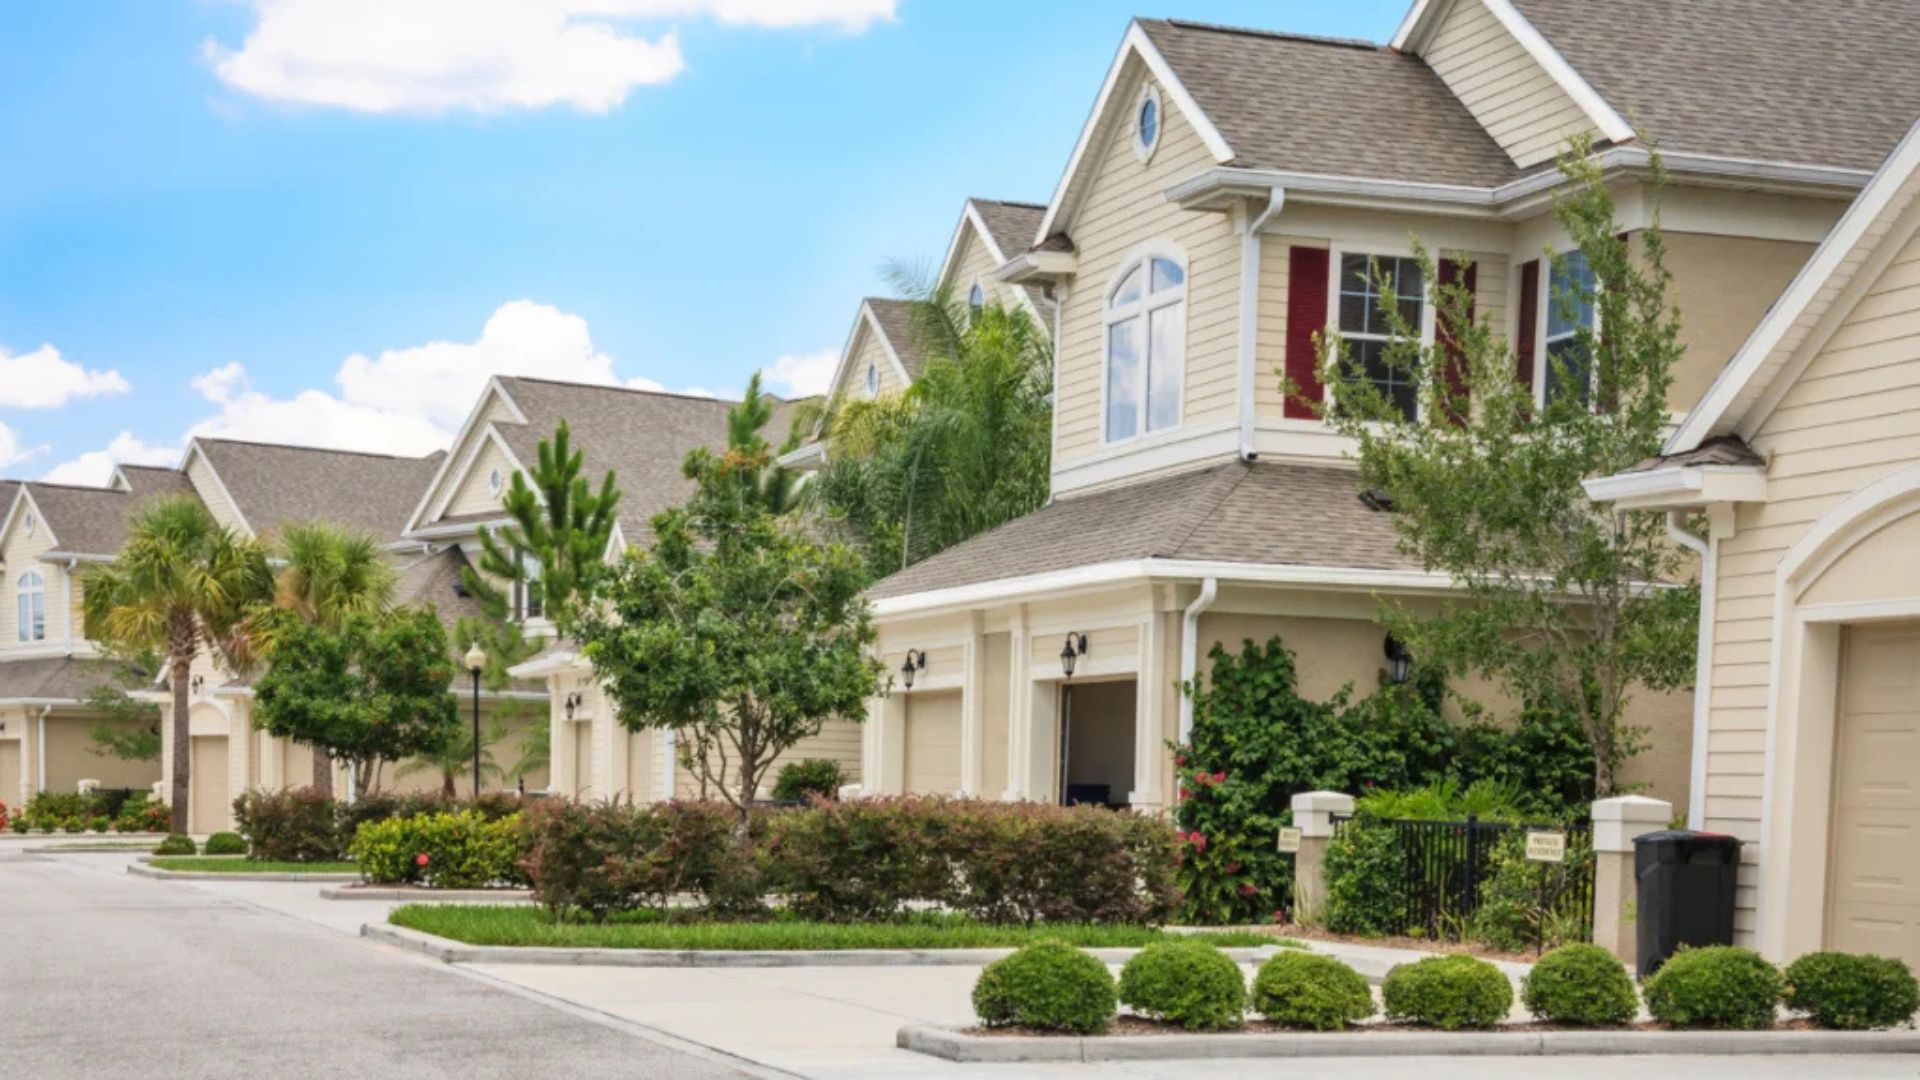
{"points": [[1218, 209], [1804, 459]]}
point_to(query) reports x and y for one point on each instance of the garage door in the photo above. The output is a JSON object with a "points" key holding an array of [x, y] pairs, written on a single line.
{"points": [[1874, 895], [10, 774], [210, 804], [933, 743]]}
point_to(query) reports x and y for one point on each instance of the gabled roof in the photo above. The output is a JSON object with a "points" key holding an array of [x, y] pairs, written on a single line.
{"points": [[1806, 314], [1009, 225], [893, 320], [1830, 83], [93, 521], [273, 486], [435, 578], [56, 679], [1239, 512]]}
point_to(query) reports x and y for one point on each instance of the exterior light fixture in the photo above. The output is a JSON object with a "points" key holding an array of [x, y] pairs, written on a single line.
{"points": [[1399, 660], [476, 660], [916, 661], [1072, 651], [573, 703]]}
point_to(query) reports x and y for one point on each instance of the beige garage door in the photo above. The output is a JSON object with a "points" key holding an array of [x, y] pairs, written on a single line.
{"points": [[933, 743], [10, 774], [210, 806], [1874, 894]]}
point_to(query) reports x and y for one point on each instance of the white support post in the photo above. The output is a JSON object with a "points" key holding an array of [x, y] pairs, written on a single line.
{"points": [[1313, 814], [1148, 725], [973, 709], [1617, 823]]}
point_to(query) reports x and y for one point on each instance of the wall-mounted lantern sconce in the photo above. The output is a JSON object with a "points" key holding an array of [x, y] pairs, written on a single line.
{"points": [[1399, 660], [198, 684], [916, 661], [1072, 651], [573, 703]]}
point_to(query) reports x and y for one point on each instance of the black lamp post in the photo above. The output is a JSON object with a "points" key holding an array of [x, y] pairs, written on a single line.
{"points": [[1072, 651], [476, 662], [916, 661]]}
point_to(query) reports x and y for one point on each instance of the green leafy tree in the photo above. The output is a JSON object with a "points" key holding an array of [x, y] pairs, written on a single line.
{"points": [[737, 630], [966, 447], [1564, 602], [556, 549], [127, 728], [181, 581], [370, 691]]}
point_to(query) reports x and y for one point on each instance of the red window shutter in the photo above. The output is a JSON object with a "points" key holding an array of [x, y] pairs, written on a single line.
{"points": [[1307, 270], [1528, 325], [1454, 369]]}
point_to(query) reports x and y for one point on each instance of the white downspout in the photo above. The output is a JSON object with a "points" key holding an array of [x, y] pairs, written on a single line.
{"points": [[40, 750], [1250, 311], [66, 599], [1709, 551], [1190, 649]]}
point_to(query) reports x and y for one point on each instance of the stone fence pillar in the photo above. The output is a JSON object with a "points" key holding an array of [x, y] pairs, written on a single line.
{"points": [[1313, 814], [1616, 823]]}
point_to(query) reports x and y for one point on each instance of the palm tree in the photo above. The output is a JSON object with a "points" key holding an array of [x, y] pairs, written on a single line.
{"points": [[455, 757], [181, 581]]}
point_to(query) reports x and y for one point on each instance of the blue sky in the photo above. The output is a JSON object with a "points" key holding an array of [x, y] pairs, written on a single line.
{"points": [[325, 221]]}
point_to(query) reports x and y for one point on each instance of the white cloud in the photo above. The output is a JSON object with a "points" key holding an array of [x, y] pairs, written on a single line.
{"points": [[95, 467], [434, 56], [11, 452], [43, 379], [803, 375]]}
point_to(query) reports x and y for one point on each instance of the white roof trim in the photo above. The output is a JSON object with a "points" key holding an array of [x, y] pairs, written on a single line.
{"points": [[558, 662], [194, 449], [494, 386], [1680, 486], [864, 317], [1409, 22], [443, 499], [969, 215], [13, 511], [1134, 43], [1744, 380]]}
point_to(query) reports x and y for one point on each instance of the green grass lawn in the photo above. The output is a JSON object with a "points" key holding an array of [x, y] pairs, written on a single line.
{"points": [[493, 925], [227, 864]]}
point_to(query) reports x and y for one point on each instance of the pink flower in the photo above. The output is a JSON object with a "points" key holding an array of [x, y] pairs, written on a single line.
{"points": [[1220, 777], [1233, 867], [1180, 761], [421, 859], [1248, 889], [1199, 842], [1185, 795], [1280, 915]]}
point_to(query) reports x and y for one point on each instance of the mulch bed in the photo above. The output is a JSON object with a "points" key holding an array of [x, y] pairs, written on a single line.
{"points": [[1422, 944]]}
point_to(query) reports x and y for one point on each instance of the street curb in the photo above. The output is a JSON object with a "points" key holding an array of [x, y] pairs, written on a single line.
{"points": [[449, 951], [954, 1045], [428, 896], [128, 849], [141, 869]]}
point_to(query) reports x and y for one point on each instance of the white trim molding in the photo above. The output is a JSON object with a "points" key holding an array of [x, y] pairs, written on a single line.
{"points": [[1680, 486]]}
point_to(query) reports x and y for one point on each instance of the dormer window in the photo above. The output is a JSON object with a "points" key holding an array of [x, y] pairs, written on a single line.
{"points": [[30, 595], [1146, 123], [873, 381], [1146, 347]]}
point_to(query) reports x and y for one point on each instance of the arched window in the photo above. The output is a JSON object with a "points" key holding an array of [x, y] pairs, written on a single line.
{"points": [[976, 298], [873, 381], [31, 598], [1146, 347]]}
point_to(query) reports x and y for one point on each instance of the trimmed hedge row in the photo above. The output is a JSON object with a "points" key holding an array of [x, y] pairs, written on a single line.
{"points": [[463, 850], [306, 825]]}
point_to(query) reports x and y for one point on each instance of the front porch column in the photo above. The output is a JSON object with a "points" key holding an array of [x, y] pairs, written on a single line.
{"points": [[1616, 824], [1019, 709], [1148, 722], [886, 744], [973, 710], [1313, 814]]}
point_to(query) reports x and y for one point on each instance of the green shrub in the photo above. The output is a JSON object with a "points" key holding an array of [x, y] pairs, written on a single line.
{"points": [[1447, 992], [861, 860], [1049, 986], [176, 844], [1300, 989], [1580, 984], [1190, 983], [1033, 863], [225, 843], [296, 825], [142, 813], [1852, 993], [802, 780], [461, 850], [1720, 986], [1527, 904], [1366, 869]]}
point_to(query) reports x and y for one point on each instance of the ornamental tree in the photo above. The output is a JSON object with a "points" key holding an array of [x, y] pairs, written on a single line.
{"points": [[737, 631], [1563, 603]]}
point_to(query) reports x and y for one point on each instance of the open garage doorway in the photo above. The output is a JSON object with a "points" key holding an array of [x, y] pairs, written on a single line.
{"points": [[1096, 743]]}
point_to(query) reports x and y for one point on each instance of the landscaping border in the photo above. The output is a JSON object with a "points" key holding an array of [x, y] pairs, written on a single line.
{"points": [[417, 895], [449, 951], [953, 1044], [141, 869]]}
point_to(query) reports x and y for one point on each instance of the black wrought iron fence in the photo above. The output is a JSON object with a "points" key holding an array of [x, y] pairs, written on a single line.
{"points": [[1446, 866]]}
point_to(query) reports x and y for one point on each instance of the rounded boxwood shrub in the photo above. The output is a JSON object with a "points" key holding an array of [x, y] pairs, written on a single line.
{"points": [[1299, 989], [1190, 983], [1048, 985], [1852, 993], [176, 844], [225, 843], [1720, 986], [1580, 984], [1448, 992]]}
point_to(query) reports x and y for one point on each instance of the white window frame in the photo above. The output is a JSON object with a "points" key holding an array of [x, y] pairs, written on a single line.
{"points": [[1545, 301], [1141, 258], [30, 601], [523, 593], [1142, 149], [1429, 320], [873, 379]]}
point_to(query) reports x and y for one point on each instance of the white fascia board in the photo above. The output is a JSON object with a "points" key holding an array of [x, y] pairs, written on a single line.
{"points": [[1410, 22], [20, 498], [58, 556], [38, 702], [1140, 571], [969, 217], [494, 386], [1037, 264], [1135, 43], [488, 434], [194, 450], [809, 456], [1611, 124], [1255, 182], [554, 663], [1680, 486], [1734, 380]]}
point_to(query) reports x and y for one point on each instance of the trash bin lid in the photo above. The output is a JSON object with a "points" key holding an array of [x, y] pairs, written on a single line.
{"points": [[1688, 846]]}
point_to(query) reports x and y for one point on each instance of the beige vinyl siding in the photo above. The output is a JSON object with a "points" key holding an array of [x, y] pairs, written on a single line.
{"points": [[1848, 420], [1126, 206], [1511, 95], [1722, 285], [839, 740], [976, 264], [472, 496], [20, 554], [207, 485], [868, 349]]}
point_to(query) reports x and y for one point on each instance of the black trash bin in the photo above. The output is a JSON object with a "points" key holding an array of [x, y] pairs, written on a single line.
{"points": [[1685, 894]]}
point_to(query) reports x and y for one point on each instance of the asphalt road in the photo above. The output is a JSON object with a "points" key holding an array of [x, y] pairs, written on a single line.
{"points": [[106, 975]]}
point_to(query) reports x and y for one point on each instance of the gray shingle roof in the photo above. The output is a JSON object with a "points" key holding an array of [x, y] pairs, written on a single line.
{"points": [[1329, 107], [1828, 83], [58, 678], [93, 521], [1013, 224], [1259, 513], [435, 579], [896, 323], [279, 485], [1728, 450], [642, 435]]}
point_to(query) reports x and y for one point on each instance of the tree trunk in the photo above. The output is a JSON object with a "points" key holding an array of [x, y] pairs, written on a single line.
{"points": [[182, 745], [322, 772]]}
